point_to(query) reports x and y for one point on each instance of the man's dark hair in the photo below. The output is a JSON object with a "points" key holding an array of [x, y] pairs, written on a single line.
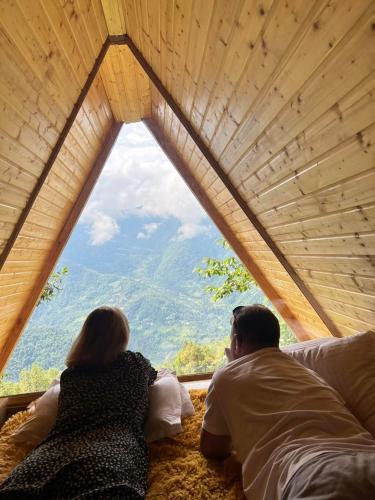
{"points": [[256, 326]]}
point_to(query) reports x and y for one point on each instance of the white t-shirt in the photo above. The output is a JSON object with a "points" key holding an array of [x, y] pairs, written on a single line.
{"points": [[279, 415]]}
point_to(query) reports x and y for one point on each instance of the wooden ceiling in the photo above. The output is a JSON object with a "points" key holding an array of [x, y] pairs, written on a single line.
{"points": [[265, 107]]}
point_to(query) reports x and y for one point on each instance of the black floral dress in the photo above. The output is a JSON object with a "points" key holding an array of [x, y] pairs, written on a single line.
{"points": [[97, 448]]}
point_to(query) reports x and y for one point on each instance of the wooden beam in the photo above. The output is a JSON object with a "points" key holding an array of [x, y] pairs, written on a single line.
{"points": [[125, 39], [181, 166], [54, 153], [59, 245]]}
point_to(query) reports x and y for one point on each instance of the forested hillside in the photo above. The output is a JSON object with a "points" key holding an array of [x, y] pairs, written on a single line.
{"points": [[152, 280]]}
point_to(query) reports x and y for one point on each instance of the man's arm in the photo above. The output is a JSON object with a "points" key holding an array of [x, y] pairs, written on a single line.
{"points": [[215, 439], [213, 446]]}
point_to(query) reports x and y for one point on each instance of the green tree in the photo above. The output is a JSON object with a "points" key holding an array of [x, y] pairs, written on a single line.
{"points": [[53, 286], [32, 380], [236, 279], [36, 378], [198, 357]]}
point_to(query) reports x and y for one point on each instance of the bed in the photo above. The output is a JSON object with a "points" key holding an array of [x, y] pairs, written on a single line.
{"points": [[178, 470]]}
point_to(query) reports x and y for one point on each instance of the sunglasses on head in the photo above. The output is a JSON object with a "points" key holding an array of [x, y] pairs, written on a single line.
{"points": [[236, 310]]}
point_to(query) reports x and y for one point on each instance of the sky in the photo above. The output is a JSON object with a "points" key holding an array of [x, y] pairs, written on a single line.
{"points": [[139, 180]]}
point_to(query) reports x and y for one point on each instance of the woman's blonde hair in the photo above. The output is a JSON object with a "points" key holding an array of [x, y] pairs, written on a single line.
{"points": [[104, 335]]}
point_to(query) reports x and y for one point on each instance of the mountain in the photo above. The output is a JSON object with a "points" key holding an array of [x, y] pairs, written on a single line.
{"points": [[151, 279]]}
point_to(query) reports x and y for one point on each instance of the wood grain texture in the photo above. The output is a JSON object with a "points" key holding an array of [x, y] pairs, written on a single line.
{"points": [[278, 96], [54, 250]]}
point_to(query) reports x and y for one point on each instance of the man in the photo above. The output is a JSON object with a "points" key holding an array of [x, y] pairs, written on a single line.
{"points": [[289, 429]]}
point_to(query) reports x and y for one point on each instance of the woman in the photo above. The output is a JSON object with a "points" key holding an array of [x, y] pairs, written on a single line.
{"points": [[96, 449]]}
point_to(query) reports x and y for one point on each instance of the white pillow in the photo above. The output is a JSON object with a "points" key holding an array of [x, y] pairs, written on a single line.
{"points": [[187, 408], [169, 400], [164, 416], [43, 416], [348, 365]]}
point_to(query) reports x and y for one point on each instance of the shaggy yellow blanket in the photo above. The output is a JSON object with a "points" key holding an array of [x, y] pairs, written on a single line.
{"points": [[178, 471]]}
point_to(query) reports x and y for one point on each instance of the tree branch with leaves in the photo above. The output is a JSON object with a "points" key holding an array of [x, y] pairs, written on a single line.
{"points": [[53, 286], [237, 277]]}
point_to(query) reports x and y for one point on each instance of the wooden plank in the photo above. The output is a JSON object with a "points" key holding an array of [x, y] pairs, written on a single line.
{"points": [[155, 101], [286, 23], [359, 244], [43, 205], [152, 10], [130, 83], [201, 16], [114, 16], [12, 196], [66, 41], [7, 279], [362, 265], [16, 153], [181, 38], [347, 160], [53, 196], [220, 32], [25, 242], [20, 77], [345, 297], [143, 89], [17, 266], [31, 229], [84, 150], [345, 320], [54, 254], [5, 229], [354, 220], [100, 19], [281, 149], [52, 157], [85, 135], [92, 116], [9, 214], [354, 192], [247, 28], [72, 151], [109, 81], [321, 36], [10, 289], [117, 79], [56, 64], [103, 108], [87, 13], [78, 28], [19, 32], [70, 176], [355, 282], [28, 251], [14, 176], [18, 130], [29, 112]]}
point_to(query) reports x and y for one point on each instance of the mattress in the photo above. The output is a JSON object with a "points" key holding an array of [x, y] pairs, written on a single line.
{"points": [[178, 470]]}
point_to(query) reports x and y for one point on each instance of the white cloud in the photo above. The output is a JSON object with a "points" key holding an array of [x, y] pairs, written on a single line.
{"points": [[102, 228], [138, 180], [190, 230], [148, 230]]}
